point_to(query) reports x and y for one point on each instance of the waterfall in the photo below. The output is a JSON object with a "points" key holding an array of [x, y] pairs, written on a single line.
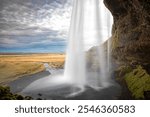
{"points": [[90, 26], [75, 60]]}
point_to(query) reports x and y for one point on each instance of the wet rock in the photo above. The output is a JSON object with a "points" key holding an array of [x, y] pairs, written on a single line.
{"points": [[147, 95]]}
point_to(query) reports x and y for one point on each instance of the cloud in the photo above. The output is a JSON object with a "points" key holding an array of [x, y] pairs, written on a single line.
{"points": [[54, 16], [32, 21], [8, 41]]}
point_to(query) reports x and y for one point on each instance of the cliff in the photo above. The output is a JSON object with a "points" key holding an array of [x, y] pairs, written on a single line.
{"points": [[130, 45]]}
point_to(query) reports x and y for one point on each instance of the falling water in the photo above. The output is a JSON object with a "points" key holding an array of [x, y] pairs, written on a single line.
{"points": [[90, 27], [75, 60]]}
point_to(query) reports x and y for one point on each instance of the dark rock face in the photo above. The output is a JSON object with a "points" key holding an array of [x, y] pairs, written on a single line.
{"points": [[131, 30], [131, 33], [117, 7]]}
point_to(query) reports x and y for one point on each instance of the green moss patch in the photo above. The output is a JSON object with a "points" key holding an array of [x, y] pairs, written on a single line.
{"points": [[5, 94], [138, 82]]}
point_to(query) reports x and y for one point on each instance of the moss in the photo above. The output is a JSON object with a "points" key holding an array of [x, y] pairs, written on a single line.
{"points": [[138, 82], [5, 94]]}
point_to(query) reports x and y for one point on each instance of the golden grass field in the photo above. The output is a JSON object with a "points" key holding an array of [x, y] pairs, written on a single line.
{"points": [[14, 66]]}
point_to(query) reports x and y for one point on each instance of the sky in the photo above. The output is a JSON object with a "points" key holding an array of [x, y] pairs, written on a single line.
{"points": [[34, 25]]}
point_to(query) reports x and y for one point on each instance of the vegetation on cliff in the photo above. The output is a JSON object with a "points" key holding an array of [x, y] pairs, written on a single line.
{"points": [[138, 82], [5, 94]]}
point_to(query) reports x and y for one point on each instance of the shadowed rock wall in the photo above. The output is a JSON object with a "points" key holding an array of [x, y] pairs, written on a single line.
{"points": [[131, 43]]}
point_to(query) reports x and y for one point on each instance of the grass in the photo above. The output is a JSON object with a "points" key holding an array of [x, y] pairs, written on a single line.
{"points": [[33, 58], [14, 66]]}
